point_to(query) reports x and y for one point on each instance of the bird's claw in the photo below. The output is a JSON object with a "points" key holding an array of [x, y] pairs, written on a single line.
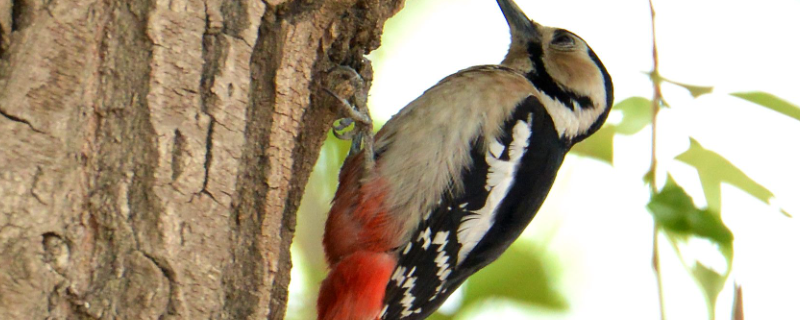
{"points": [[343, 124], [361, 135]]}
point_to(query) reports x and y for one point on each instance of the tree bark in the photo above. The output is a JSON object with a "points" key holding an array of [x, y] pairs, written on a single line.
{"points": [[153, 153]]}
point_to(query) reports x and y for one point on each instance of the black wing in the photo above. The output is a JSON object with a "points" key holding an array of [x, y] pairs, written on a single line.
{"points": [[437, 260]]}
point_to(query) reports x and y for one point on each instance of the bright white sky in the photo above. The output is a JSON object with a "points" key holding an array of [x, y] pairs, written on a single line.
{"points": [[594, 219]]}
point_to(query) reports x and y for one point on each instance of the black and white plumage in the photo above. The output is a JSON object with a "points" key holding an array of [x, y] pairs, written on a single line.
{"points": [[484, 227], [458, 174], [550, 92]]}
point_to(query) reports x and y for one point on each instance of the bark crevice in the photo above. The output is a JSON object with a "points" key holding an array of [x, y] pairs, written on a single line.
{"points": [[241, 279], [178, 151], [19, 120], [19, 14]]}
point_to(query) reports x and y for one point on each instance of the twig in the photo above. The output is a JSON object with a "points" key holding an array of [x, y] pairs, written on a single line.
{"points": [[656, 103]]}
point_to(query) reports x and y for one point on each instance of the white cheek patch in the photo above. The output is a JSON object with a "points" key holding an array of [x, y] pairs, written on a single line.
{"points": [[579, 77], [570, 122], [475, 224]]}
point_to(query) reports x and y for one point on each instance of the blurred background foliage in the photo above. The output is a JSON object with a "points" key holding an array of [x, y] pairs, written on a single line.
{"points": [[598, 261]]}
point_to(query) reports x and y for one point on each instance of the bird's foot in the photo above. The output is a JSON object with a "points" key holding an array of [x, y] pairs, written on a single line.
{"points": [[346, 82]]}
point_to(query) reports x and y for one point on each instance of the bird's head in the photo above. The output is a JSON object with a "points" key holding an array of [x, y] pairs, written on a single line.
{"points": [[562, 66]]}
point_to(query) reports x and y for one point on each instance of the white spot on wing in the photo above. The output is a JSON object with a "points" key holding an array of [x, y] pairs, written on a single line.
{"points": [[496, 149], [441, 261], [408, 298], [399, 275], [441, 238], [407, 283], [441, 258], [383, 312], [443, 274], [408, 248], [425, 237], [499, 178]]}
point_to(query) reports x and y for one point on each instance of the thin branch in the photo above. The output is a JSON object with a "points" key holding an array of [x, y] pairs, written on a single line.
{"points": [[738, 308], [657, 98], [655, 77]]}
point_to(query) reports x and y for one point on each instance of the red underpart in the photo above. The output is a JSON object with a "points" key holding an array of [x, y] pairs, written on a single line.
{"points": [[360, 236], [358, 219], [355, 287]]}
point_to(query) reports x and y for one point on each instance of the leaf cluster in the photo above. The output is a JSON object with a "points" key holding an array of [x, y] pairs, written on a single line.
{"points": [[673, 210]]}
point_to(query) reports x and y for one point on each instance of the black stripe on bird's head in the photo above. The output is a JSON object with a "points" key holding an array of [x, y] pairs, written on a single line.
{"points": [[561, 65]]}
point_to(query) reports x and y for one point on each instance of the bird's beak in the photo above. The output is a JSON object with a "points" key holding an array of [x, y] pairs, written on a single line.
{"points": [[522, 28]]}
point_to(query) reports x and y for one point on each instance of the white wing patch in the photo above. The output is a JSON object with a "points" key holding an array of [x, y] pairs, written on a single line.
{"points": [[499, 178]]}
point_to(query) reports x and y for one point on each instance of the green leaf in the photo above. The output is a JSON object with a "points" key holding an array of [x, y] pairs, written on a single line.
{"points": [[648, 176], [711, 282], [599, 146], [694, 90], [771, 102], [675, 211], [677, 215], [714, 169], [521, 274], [637, 113]]}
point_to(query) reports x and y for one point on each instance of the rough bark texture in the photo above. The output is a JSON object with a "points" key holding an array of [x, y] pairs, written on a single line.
{"points": [[153, 152]]}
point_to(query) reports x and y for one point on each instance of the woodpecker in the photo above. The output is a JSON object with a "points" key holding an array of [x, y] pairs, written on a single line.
{"points": [[458, 174]]}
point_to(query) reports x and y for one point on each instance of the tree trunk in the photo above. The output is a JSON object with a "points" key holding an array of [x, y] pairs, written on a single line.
{"points": [[153, 153]]}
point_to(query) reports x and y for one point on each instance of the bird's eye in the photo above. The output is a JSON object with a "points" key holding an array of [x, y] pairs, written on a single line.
{"points": [[563, 40]]}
